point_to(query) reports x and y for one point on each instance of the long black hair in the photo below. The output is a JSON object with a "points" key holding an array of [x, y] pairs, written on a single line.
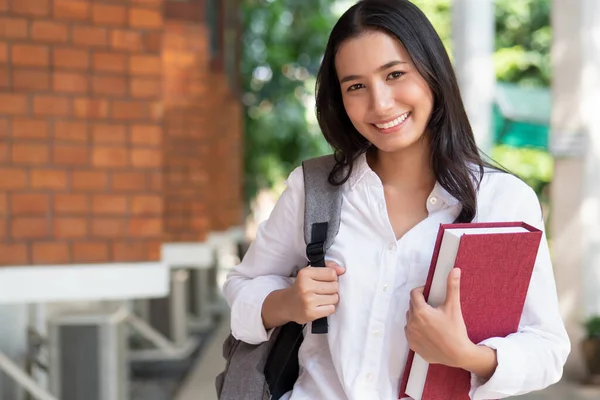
{"points": [[453, 150]]}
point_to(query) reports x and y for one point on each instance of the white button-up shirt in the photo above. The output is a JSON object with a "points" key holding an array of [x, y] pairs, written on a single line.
{"points": [[364, 354]]}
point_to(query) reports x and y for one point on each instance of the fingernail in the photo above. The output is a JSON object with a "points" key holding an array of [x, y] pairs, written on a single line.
{"points": [[457, 273]]}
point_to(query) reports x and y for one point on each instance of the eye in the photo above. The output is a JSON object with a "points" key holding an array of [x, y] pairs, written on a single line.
{"points": [[354, 87], [395, 75]]}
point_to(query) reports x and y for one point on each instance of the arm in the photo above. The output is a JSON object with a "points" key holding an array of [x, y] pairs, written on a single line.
{"points": [[532, 358], [268, 264]]}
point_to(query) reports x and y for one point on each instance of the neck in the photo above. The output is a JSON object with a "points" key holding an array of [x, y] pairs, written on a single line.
{"points": [[409, 169]]}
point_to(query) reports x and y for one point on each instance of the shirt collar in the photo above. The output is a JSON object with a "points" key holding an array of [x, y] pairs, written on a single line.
{"points": [[361, 169]]}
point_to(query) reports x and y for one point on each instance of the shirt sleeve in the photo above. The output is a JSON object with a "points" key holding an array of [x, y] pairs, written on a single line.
{"points": [[533, 357], [268, 264]]}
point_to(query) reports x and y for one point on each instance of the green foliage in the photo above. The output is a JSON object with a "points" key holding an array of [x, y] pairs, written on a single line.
{"points": [[523, 40], [282, 47], [592, 327], [532, 165]]}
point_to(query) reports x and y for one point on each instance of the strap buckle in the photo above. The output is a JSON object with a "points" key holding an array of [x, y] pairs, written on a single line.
{"points": [[315, 253]]}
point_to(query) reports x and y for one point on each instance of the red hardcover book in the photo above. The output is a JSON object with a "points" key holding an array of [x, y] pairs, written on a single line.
{"points": [[496, 262]]}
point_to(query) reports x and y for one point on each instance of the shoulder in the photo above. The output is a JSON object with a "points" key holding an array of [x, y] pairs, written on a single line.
{"points": [[505, 196]]}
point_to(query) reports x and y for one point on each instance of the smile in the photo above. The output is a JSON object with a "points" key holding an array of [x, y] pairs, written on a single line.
{"points": [[394, 122]]}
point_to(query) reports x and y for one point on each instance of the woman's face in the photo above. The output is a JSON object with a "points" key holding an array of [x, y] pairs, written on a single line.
{"points": [[385, 97]]}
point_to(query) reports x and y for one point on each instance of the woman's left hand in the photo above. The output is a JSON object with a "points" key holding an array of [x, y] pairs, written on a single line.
{"points": [[438, 335]]}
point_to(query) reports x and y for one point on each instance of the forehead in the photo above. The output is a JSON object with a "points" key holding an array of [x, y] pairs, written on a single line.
{"points": [[367, 52]]}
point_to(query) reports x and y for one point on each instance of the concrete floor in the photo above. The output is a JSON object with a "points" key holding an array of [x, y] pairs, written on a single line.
{"points": [[199, 384]]}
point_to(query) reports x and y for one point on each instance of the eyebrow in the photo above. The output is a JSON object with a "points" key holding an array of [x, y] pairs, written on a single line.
{"points": [[382, 68]]}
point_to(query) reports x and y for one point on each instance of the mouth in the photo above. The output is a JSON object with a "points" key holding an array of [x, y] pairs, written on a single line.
{"points": [[394, 124]]}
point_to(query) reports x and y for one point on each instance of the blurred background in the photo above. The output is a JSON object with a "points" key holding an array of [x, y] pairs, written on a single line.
{"points": [[143, 141]]}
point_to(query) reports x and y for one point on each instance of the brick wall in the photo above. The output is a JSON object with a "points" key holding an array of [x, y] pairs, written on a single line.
{"points": [[97, 162]]}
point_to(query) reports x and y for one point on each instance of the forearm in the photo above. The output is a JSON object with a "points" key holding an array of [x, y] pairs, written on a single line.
{"points": [[481, 361], [273, 309]]}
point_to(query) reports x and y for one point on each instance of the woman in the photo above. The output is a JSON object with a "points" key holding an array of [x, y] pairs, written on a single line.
{"points": [[389, 104]]}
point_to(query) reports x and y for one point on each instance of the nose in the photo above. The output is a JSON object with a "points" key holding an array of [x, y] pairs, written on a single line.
{"points": [[382, 99]]}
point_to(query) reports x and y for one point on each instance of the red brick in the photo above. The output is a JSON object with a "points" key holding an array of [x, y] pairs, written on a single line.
{"points": [[4, 152], [128, 110], [3, 127], [29, 128], [109, 227], [127, 181], [70, 131], [105, 14], [3, 5], [70, 82], [66, 154], [109, 204], [31, 7], [46, 31], [91, 108], [30, 153], [70, 227], [70, 204], [3, 204], [29, 228], [30, 55], [13, 178], [70, 58], [147, 205], [3, 52], [144, 18], [88, 180], [110, 157], [110, 62], [146, 135], [90, 252], [148, 3], [109, 85], [13, 254], [48, 179], [126, 40], [50, 253], [4, 78], [89, 36], [157, 110], [145, 65], [13, 104], [31, 80], [29, 204], [145, 88], [156, 181], [129, 251], [153, 42], [146, 158], [145, 227], [109, 133], [51, 105], [72, 10], [14, 28]]}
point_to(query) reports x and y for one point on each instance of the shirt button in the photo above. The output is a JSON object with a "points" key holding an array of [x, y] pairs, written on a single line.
{"points": [[369, 377], [392, 246], [433, 200], [385, 288], [376, 333], [382, 206]]}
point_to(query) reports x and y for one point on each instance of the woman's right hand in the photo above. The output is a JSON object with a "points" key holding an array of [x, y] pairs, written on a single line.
{"points": [[313, 295]]}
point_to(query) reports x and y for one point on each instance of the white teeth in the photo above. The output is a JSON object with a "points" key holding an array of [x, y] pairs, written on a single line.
{"points": [[393, 123]]}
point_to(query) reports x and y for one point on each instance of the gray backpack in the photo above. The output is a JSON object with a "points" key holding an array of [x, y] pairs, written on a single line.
{"points": [[269, 370]]}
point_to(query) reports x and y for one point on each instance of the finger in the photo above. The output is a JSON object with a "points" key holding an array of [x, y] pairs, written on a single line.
{"points": [[453, 290], [326, 287], [339, 270], [324, 311], [323, 274], [416, 297], [326, 299]]}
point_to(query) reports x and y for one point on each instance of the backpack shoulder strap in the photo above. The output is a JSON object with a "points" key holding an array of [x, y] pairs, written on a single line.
{"points": [[322, 209], [323, 201]]}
